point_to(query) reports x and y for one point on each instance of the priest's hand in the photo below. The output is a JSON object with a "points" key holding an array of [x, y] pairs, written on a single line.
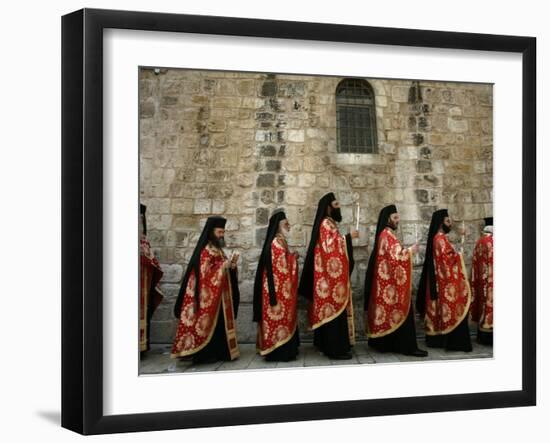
{"points": [[354, 233], [234, 259], [414, 248]]}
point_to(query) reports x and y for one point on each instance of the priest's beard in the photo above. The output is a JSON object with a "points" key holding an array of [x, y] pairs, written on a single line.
{"points": [[336, 214], [218, 242], [446, 229]]}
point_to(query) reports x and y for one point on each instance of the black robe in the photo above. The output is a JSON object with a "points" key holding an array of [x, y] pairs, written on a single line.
{"points": [[286, 352], [402, 340], [485, 338], [456, 340]]}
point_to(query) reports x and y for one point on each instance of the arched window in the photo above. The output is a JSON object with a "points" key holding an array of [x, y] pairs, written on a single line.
{"points": [[355, 117]]}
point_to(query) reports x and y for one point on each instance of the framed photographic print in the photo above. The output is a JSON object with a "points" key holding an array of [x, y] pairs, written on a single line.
{"points": [[269, 221]]}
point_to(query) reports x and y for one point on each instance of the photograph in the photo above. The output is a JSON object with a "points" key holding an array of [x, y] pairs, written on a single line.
{"points": [[275, 222], [291, 220]]}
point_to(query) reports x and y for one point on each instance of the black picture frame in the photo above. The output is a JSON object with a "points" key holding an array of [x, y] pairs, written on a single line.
{"points": [[82, 218]]}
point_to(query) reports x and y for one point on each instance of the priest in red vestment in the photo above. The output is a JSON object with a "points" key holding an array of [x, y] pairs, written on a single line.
{"points": [[388, 284], [444, 291], [208, 301], [481, 310], [275, 294], [325, 282], [150, 274]]}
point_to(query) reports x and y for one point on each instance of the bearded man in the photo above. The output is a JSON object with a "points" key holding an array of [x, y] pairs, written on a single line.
{"points": [[388, 284], [444, 291], [325, 282]]}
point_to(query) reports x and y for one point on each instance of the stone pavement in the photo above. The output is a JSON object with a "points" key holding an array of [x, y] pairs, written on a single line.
{"points": [[158, 361]]}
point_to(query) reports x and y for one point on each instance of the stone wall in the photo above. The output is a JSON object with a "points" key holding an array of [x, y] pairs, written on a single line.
{"points": [[242, 144]]}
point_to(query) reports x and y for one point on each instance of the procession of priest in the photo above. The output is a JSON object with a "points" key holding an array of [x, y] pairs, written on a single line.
{"points": [[208, 300]]}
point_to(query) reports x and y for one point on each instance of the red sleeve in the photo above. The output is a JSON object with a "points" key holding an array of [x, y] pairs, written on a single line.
{"points": [[397, 251], [211, 271], [445, 257]]}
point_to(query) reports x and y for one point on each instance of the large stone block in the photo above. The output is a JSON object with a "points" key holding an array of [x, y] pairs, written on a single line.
{"points": [[315, 164], [407, 152], [455, 167], [217, 125], [181, 206], [227, 102], [218, 206], [322, 181], [294, 164], [296, 135], [239, 239], [423, 166], [262, 216], [297, 197], [246, 289], [306, 180], [265, 180], [202, 206], [456, 125], [487, 141], [245, 87], [269, 88], [246, 328], [173, 273], [400, 94], [267, 150], [170, 292], [159, 222], [287, 180], [163, 176], [272, 165], [218, 141], [163, 331], [184, 223]]}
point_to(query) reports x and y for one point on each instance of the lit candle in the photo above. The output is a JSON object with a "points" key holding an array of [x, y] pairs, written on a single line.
{"points": [[357, 219]]}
